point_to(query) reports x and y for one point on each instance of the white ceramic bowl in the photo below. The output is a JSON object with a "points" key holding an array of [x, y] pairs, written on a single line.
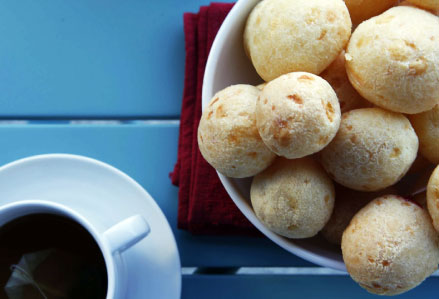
{"points": [[227, 64]]}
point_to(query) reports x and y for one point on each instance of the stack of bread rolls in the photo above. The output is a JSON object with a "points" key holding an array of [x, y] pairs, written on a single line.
{"points": [[349, 103]]}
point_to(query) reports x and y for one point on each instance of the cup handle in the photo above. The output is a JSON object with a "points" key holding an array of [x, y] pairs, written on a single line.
{"points": [[126, 233]]}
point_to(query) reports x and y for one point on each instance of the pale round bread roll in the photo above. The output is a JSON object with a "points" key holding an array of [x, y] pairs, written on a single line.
{"points": [[297, 114], [293, 198], [348, 97], [227, 135], [433, 197], [390, 246], [426, 125], [347, 203], [283, 36], [372, 150], [361, 10], [427, 4], [393, 60]]}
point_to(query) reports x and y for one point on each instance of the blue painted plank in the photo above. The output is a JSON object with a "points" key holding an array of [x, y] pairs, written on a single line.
{"points": [[147, 152], [92, 58], [288, 286]]}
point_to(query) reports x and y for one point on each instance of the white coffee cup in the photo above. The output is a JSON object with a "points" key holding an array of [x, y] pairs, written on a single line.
{"points": [[112, 243]]}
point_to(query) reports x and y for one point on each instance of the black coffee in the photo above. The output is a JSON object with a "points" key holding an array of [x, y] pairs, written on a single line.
{"points": [[50, 256]]}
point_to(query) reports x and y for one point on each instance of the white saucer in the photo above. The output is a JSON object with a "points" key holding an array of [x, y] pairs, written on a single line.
{"points": [[88, 186]]}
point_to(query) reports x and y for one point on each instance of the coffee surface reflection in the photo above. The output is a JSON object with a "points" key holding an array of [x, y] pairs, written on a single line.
{"points": [[50, 256]]}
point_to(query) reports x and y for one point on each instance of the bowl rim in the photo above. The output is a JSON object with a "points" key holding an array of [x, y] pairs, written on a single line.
{"points": [[236, 196]]}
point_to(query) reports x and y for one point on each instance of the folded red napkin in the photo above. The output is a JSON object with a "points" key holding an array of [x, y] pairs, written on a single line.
{"points": [[204, 206]]}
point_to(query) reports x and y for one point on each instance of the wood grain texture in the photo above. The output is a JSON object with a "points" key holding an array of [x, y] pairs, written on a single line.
{"points": [[92, 58]]}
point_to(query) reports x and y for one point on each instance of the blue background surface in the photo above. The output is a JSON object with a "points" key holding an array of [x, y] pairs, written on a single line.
{"points": [[92, 58], [111, 59]]}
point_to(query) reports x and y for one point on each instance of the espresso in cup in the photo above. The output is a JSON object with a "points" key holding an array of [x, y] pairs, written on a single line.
{"points": [[50, 256]]}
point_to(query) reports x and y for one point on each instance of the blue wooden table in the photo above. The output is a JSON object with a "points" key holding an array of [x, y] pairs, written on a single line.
{"points": [[104, 79]]}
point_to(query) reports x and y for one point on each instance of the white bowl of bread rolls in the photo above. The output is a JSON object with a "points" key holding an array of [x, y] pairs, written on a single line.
{"points": [[320, 117]]}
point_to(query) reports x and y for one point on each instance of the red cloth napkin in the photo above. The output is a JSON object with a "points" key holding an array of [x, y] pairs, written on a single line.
{"points": [[204, 207]]}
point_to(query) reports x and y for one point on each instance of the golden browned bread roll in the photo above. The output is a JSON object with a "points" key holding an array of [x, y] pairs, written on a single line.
{"points": [[361, 10], [293, 198], [427, 4], [390, 246], [392, 60], [283, 36], [227, 135], [297, 114], [407, 3], [372, 150]]}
